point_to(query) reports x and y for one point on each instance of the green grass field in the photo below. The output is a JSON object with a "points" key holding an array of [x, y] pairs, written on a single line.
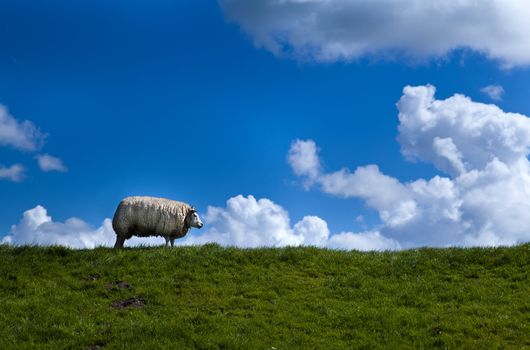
{"points": [[211, 297]]}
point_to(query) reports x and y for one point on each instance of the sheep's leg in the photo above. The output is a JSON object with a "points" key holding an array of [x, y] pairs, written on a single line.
{"points": [[119, 241], [172, 240], [167, 241]]}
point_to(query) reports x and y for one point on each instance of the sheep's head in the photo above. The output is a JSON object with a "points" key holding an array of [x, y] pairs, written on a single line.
{"points": [[193, 220]]}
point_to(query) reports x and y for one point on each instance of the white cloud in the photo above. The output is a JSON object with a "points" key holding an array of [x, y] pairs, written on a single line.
{"points": [[314, 231], [248, 222], [474, 133], [485, 197], [36, 227], [345, 30], [14, 173], [22, 135], [244, 222], [50, 163], [495, 92], [385, 193], [371, 240], [445, 148], [303, 158]]}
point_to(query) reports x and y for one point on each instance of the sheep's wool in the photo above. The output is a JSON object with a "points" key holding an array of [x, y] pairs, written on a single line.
{"points": [[150, 216]]}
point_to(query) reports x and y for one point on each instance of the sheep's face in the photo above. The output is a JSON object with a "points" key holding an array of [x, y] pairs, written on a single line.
{"points": [[193, 219]]}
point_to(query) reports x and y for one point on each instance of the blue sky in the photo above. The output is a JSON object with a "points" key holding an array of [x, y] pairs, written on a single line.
{"points": [[185, 100]]}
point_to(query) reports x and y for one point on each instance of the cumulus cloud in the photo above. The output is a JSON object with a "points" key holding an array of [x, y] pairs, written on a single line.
{"points": [[481, 197], [457, 132], [314, 231], [370, 240], [378, 190], [50, 163], [244, 222], [250, 222], [345, 30], [13, 173], [247, 222], [494, 92], [304, 161], [21, 135], [37, 227]]}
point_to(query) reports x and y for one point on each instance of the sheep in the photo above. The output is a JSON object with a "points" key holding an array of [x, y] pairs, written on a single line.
{"points": [[150, 216]]}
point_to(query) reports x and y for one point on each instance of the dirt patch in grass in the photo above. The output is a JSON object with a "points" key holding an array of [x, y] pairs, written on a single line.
{"points": [[118, 285], [134, 302]]}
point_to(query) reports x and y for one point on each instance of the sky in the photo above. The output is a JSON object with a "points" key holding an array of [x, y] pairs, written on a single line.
{"points": [[343, 124]]}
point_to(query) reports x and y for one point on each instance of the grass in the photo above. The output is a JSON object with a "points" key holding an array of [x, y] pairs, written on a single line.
{"points": [[211, 297]]}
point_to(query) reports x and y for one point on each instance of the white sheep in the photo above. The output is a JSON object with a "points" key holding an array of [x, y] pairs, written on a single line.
{"points": [[150, 216]]}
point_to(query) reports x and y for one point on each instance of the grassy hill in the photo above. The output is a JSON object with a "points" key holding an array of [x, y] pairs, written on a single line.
{"points": [[294, 298]]}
